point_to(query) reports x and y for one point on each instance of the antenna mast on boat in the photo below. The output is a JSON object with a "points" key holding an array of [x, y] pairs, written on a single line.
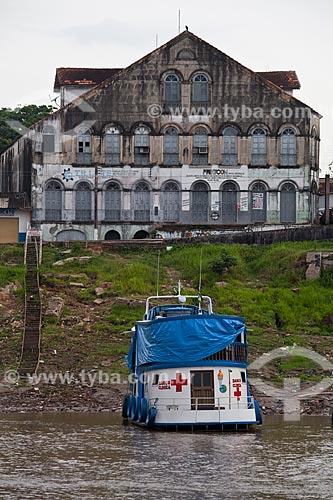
{"points": [[200, 282], [158, 272]]}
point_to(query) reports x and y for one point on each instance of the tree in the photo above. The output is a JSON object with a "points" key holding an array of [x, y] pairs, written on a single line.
{"points": [[225, 263], [27, 115]]}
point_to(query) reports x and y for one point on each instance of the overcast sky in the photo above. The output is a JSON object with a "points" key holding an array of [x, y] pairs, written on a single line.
{"points": [[38, 36]]}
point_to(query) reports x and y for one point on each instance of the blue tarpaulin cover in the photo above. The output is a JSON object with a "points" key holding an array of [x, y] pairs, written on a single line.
{"points": [[182, 339]]}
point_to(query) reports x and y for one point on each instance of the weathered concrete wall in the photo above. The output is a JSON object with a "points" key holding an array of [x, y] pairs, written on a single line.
{"points": [[237, 96]]}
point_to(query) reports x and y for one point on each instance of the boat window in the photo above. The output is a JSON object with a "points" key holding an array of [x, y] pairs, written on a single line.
{"points": [[196, 379], [206, 379], [243, 377], [156, 378], [178, 312]]}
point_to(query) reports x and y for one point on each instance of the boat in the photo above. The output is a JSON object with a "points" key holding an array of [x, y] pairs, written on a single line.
{"points": [[189, 367]]}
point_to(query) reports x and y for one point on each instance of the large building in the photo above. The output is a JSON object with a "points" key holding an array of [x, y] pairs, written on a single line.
{"points": [[184, 139]]}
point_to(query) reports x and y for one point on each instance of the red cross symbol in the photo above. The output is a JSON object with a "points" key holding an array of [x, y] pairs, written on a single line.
{"points": [[179, 382], [238, 393]]}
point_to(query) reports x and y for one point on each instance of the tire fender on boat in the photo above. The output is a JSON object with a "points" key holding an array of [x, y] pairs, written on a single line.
{"points": [[258, 412], [124, 411], [131, 403], [135, 409], [151, 416], [143, 410]]}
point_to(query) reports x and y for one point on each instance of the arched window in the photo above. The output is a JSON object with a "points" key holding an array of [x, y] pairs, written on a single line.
{"points": [[112, 146], [288, 203], [200, 202], [258, 202], [170, 146], [141, 145], [71, 235], [83, 202], [112, 202], [170, 201], [141, 235], [259, 148], [112, 235], [186, 55], [229, 201], [229, 146], [53, 201], [288, 147], [171, 95], [48, 139], [141, 202], [200, 147], [200, 89], [83, 150]]}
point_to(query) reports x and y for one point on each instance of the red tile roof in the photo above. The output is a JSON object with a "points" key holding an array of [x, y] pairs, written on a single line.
{"points": [[82, 76], [286, 80]]}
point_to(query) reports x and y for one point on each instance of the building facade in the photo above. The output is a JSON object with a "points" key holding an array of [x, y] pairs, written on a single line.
{"points": [[184, 139]]}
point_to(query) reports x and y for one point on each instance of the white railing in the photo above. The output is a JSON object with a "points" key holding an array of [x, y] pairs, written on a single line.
{"points": [[200, 404]]}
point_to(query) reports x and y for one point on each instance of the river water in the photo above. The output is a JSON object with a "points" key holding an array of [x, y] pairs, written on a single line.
{"points": [[94, 456]]}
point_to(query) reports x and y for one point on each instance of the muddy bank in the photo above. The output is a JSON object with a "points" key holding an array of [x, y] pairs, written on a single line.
{"points": [[102, 398], [60, 398]]}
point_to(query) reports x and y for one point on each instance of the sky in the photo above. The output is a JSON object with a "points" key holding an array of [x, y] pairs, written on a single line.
{"points": [[37, 36]]}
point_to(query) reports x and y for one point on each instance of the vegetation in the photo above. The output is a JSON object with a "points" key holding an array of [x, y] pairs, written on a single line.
{"points": [[25, 116], [224, 263], [265, 285]]}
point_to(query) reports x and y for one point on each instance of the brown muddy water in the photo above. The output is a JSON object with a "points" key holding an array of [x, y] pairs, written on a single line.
{"points": [[94, 456]]}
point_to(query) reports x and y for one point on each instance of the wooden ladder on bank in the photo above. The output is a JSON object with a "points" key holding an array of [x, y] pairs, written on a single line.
{"points": [[30, 352]]}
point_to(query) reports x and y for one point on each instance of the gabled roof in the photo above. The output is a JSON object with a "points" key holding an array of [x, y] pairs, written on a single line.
{"points": [[119, 73], [82, 76], [189, 34], [286, 80]]}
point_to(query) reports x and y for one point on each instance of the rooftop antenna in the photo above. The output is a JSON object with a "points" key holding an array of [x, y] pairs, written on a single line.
{"points": [[158, 272], [178, 21], [156, 41]]}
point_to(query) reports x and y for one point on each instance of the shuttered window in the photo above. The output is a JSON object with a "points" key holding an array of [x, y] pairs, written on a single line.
{"points": [[259, 148], [229, 146], [83, 202], [112, 146], [112, 202], [200, 147], [170, 146], [141, 145], [288, 147], [83, 151], [200, 89], [53, 201], [171, 90]]}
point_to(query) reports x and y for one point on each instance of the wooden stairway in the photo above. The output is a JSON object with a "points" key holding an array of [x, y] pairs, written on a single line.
{"points": [[33, 309]]}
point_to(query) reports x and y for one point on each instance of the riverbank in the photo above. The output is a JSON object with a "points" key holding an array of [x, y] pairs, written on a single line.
{"points": [[92, 297], [61, 398], [109, 398]]}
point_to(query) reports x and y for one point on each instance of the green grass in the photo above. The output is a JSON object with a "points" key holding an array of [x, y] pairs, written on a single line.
{"points": [[266, 286]]}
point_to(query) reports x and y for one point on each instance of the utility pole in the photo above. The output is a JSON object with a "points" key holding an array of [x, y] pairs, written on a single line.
{"points": [[327, 199], [96, 203]]}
